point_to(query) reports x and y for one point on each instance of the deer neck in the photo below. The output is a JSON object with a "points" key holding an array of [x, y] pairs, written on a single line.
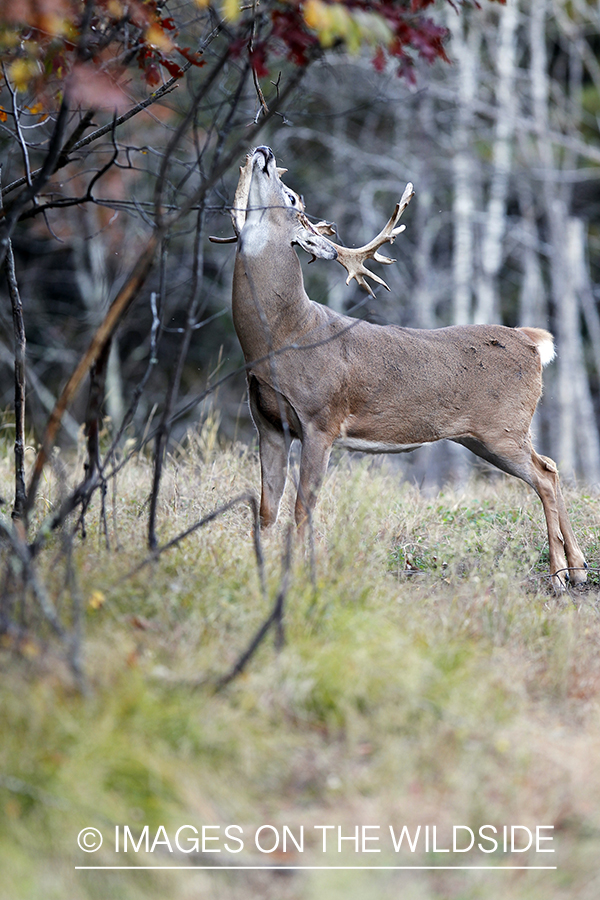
{"points": [[270, 306]]}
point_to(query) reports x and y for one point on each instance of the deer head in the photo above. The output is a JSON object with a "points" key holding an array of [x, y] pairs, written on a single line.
{"points": [[260, 188]]}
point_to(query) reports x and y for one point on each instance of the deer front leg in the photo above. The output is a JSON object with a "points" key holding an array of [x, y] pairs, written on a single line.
{"points": [[274, 452], [316, 449], [274, 448]]}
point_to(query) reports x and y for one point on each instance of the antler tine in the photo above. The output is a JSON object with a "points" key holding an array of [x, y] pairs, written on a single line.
{"points": [[353, 259]]}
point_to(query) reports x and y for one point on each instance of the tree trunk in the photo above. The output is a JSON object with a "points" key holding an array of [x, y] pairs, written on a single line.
{"points": [[488, 306], [585, 429], [466, 40]]}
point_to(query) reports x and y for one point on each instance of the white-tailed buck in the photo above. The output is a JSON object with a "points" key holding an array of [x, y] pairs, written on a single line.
{"points": [[329, 379]]}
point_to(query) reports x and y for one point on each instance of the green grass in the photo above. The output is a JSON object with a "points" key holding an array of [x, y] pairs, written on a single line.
{"points": [[429, 677]]}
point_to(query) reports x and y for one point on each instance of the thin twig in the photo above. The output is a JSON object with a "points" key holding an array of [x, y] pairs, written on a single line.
{"points": [[93, 418], [17, 117], [11, 218], [248, 498], [15, 537], [70, 148], [263, 108], [274, 619], [19, 376], [164, 428], [117, 310]]}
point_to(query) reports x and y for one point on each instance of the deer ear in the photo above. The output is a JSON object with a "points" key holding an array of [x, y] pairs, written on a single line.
{"points": [[315, 244]]}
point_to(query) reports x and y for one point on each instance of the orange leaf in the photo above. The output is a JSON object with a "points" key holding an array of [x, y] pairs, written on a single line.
{"points": [[157, 38]]}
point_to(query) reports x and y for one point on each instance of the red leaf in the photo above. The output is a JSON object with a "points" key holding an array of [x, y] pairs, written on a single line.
{"points": [[237, 47], [152, 74], [288, 26], [172, 68], [258, 61], [406, 70], [191, 56], [379, 60]]}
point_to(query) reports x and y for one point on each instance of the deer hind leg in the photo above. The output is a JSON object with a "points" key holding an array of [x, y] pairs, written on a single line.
{"points": [[541, 473], [548, 482], [316, 449]]}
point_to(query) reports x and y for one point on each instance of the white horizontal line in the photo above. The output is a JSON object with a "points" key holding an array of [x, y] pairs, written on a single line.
{"points": [[337, 868]]}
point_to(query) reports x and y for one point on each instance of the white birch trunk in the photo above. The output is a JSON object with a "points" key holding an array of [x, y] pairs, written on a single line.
{"points": [[466, 40], [487, 305], [532, 300], [585, 427], [533, 306], [91, 277], [422, 298], [565, 302]]}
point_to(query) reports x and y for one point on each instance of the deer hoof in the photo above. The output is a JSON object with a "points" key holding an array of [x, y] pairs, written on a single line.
{"points": [[578, 576]]}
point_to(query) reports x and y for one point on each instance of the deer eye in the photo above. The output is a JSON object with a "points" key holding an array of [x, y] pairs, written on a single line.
{"points": [[292, 199]]}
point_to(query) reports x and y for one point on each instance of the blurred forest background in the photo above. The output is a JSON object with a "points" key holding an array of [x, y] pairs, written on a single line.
{"points": [[122, 127], [501, 142]]}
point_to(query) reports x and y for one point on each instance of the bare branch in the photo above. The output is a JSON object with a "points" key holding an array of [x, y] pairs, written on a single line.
{"points": [[19, 368], [19, 376], [117, 310], [12, 216], [250, 499], [18, 129], [274, 619], [163, 432]]}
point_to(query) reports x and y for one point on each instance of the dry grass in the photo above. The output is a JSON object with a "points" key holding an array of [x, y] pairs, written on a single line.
{"points": [[429, 677]]}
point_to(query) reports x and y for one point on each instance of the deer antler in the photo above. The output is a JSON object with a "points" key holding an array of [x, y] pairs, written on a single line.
{"points": [[353, 259]]}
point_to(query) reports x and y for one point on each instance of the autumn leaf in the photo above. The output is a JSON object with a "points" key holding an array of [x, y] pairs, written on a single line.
{"points": [[21, 73], [315, 14], [97, 600], [156, 37], [172, 68], [152, 74], [37, 110], [3, 115], [231, 10], [258, 61]]}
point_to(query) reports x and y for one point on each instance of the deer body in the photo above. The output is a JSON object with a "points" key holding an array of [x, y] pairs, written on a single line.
{"points": [[324, 378]]}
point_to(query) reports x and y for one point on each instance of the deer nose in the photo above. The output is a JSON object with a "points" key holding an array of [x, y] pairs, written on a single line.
{"points": [[266, 151], [267, 154]]}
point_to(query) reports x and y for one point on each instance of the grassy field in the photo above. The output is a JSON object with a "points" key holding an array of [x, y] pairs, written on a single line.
{"points": [[429, 678]]}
